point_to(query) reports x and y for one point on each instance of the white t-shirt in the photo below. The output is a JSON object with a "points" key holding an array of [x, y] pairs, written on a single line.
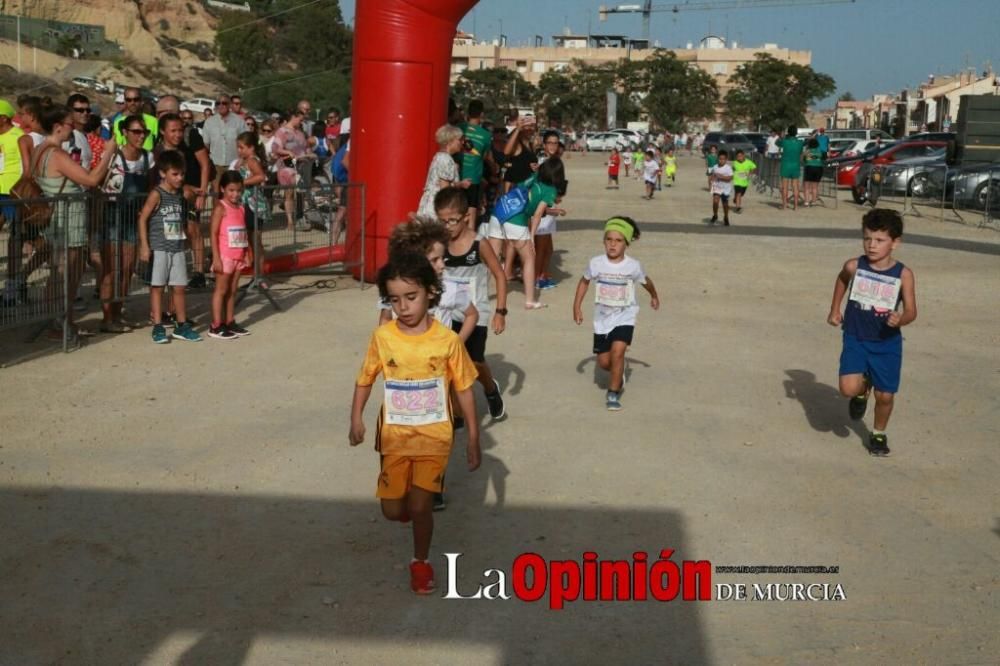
{"points": [[722, 186], [649, 169], [772, 145], [615, 284], [79, 142], [345, 125]]}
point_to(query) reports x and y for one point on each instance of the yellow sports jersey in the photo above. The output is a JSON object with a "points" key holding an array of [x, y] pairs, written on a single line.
{"points": [[419, 371]]}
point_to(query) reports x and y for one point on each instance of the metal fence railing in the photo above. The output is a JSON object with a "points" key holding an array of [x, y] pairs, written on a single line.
{"points": [[971, 193], [767, 180], [90, 244]]}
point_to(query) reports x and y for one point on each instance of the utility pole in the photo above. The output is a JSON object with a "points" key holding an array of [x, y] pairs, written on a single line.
{"points": [[18, 43]]}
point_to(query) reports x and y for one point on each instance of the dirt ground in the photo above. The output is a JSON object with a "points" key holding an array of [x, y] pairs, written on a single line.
{"points": [[199, 504]]}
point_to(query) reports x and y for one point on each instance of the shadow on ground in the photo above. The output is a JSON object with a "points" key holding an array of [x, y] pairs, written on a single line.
{"points": [[824, 407], [601, 376], [790, 232], [109, 577]]}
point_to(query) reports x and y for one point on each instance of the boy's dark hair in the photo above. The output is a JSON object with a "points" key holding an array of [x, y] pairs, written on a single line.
{"points": [[77, 97], [549, 133], [170, 118], [741, 152], [451, 197], [883, 219], [552, 172], [723, 153], [793, 130], [812, 143], [417, 237], [409, 266], [475, 108], [171, 159], [228, 178]]}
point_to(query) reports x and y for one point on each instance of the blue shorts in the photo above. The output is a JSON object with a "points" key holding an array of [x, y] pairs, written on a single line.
{"points": [[881, 360], [7, 210]]}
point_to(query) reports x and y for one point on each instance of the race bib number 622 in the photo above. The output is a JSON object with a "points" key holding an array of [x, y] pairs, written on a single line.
{"points": [[615, 293], [415, 402]]}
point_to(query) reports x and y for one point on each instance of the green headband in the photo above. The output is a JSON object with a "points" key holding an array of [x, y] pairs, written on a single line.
{"points": [[622, 227]]}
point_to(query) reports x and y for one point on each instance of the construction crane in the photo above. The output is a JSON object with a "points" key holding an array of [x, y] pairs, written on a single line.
{"points": [[647, 7]]}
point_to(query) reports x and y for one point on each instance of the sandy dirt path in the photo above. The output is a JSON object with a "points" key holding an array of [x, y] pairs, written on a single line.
{"points": [[198, 503]]}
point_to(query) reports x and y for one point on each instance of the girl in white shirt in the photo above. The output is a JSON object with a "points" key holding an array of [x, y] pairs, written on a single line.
{"points": [[615, 306]]}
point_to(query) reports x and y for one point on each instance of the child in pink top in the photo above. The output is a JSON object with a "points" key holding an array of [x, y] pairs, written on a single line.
{"points": [[230, 255]]}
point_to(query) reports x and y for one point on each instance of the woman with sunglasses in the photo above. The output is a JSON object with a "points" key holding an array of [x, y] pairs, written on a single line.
{"points": [[57, 173], [127, 184], [251, 124]]}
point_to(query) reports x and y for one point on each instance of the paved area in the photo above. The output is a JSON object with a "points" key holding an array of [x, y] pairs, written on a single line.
{"points": [[198, 503]]}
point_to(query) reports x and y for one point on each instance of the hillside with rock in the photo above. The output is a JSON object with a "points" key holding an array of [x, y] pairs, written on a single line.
{"points": [[167, 44]]}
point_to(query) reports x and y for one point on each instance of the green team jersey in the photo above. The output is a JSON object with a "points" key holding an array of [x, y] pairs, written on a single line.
{"points": [[812, 157], [741, 172], [791, 151], [472, 160], [711, 160]]}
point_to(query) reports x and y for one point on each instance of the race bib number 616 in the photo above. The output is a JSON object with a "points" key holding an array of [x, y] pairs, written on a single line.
{"points": [[875, 291]]}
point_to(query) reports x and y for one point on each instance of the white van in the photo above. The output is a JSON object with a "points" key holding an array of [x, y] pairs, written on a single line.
{"points": [[198, 104]]}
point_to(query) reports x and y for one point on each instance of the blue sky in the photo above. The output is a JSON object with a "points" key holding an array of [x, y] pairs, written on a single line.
{"points": [[869, 46]]}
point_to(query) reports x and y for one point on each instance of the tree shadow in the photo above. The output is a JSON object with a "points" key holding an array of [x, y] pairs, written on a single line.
{"points": [[115, 577], [824, 407], [601, 377]]}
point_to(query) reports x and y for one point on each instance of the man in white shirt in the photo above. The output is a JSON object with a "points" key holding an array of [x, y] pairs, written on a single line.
{"points": [[77, 146]]}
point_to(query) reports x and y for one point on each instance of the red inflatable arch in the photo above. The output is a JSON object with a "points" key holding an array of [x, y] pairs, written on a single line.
{"points": [[402, 58]]}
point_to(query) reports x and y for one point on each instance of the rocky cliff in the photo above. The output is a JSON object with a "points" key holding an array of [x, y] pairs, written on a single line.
{"points": [[166, 39]]}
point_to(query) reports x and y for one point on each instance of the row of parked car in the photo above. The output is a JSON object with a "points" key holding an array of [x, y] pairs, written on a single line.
{"points": [[916, 166]]}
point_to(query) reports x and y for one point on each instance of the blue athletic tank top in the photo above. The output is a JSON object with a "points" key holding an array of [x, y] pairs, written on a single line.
{"points": [[871, 298]]}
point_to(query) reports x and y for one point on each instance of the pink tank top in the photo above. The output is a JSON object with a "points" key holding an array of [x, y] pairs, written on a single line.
{"points": [[233, 241]]}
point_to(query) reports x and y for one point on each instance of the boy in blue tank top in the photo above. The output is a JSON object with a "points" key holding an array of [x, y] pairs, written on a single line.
{"points": [[875, 285]]}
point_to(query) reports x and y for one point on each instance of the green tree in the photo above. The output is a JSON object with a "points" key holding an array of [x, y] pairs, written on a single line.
{"points": [[499, 89], [846, 97], [280, 91], [771, 93], [678, 92], [245, 48]]}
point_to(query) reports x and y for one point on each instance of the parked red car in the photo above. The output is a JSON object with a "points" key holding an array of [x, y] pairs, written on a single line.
{"points": [[847, 172]]}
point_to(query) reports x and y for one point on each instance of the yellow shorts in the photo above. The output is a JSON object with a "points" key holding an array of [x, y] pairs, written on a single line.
{"points": [[400, 473]]}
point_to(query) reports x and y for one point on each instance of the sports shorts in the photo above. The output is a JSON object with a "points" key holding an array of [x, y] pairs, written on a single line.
{"points": [[602, 341], [400, 473], [881, 360], [476, 344]]}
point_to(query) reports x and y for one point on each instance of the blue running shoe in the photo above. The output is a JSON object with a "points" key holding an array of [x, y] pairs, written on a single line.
{"points": [[185, 331], [160, 336]]}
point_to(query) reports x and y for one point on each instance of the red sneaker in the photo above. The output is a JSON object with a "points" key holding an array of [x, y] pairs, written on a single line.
{"points": [[421, 577]]}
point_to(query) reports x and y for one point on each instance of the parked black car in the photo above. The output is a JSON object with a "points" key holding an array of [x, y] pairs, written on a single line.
{"points": [[727, 141], [758, 140]]}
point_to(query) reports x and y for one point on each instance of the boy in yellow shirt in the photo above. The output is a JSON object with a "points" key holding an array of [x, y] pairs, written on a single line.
{"points": [[421, 361]]}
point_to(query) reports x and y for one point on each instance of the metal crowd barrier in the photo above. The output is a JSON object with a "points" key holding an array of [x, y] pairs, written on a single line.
{"points": [[971, 192], [767, 180], [90, 245]]}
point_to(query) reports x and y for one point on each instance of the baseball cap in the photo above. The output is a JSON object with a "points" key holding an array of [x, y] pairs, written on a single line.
{"points": [[120, 98], [6, 109]]}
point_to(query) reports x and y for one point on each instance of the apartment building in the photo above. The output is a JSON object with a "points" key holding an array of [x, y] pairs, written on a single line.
{"points": [[712, 54]]}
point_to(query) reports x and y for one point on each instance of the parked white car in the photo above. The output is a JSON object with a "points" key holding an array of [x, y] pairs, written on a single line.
{"points": [[606, 141], [198, 104], [89, 82], [859, 146], [631, 136]]}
